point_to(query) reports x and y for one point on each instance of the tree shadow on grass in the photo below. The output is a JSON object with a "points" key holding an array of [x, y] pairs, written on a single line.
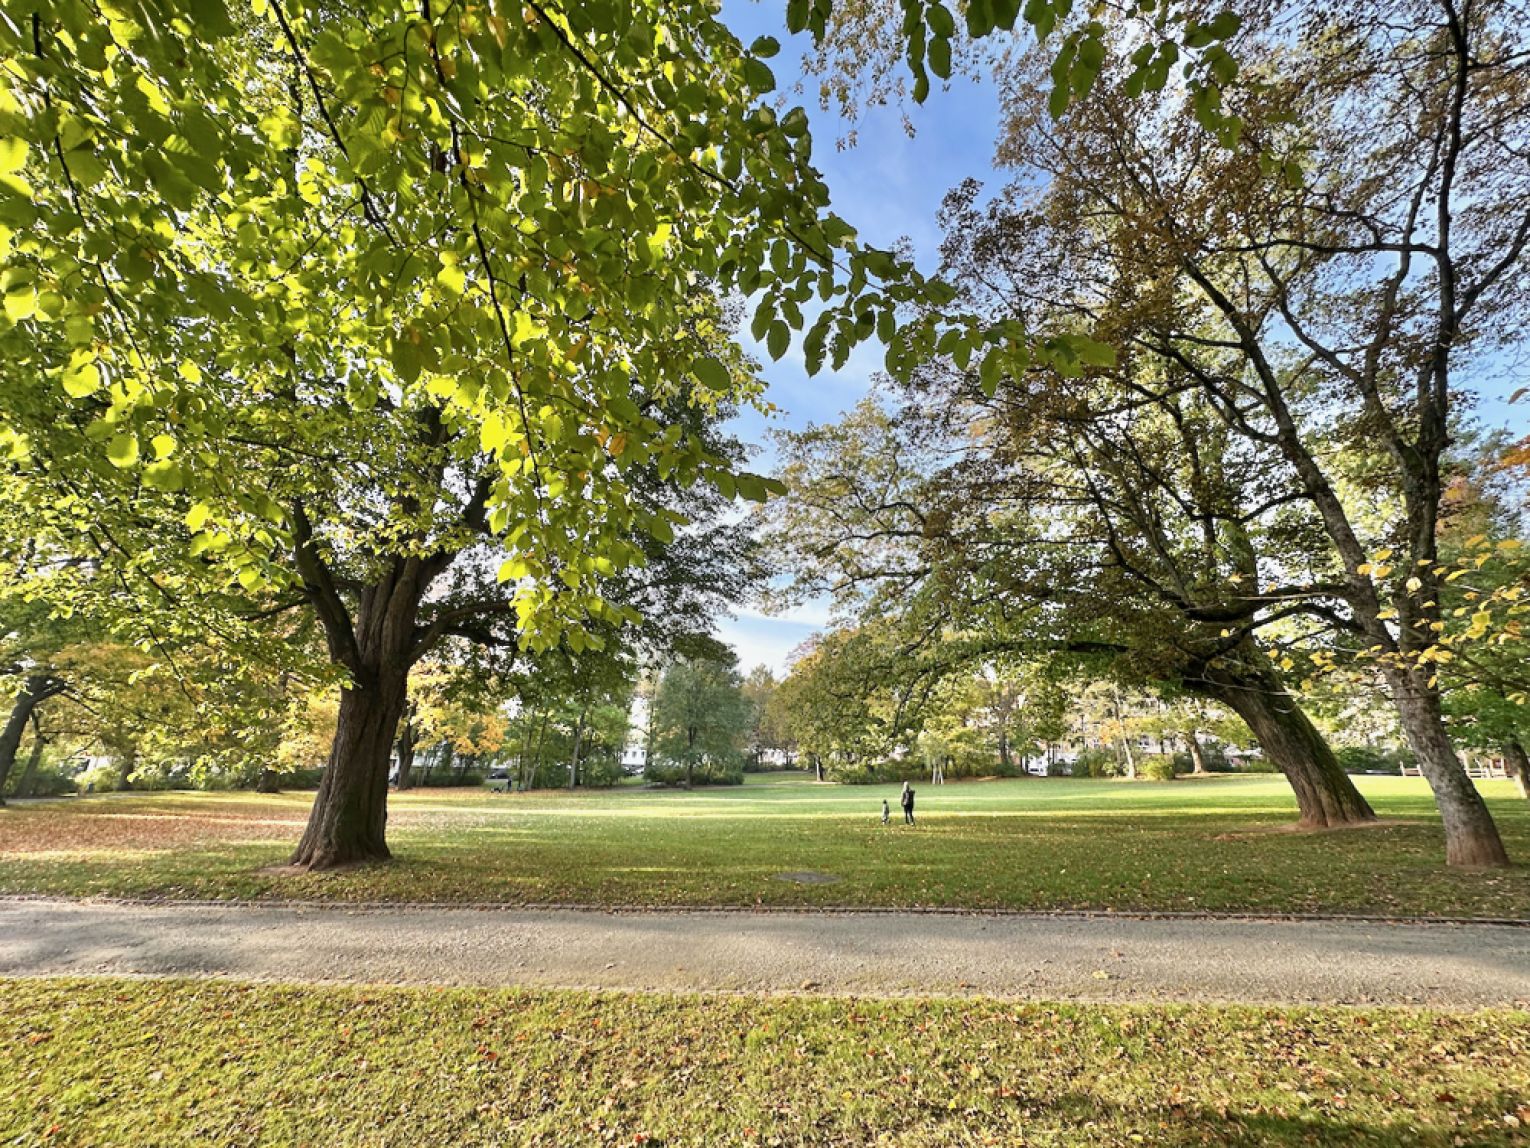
{"points": [[1097, 1121]]}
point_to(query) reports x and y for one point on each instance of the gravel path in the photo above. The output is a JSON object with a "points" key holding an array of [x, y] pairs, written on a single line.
{"points": [[841, 953]]}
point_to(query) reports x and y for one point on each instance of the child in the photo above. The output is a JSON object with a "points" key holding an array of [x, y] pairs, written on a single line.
{"points": [[886, 812]]}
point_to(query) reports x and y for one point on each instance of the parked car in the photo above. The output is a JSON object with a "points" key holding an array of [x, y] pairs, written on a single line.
{"points": [[498, 780]]}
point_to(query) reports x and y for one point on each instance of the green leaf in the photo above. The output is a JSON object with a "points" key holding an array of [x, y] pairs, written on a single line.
{"points": [[20, 303], [82, 380], [122, 451], [940, 57], [752, 487], [13, 154], [765, 47], [758, 76], [711, 372], [779, 340]]}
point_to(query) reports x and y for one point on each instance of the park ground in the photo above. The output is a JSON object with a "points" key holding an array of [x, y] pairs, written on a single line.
{"points": [[133, 1062], [113, 1060], [1215, 845]]}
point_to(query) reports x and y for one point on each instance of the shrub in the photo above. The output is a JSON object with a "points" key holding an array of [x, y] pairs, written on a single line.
{"points": [[48, 780], [705, 773], [600, 773], [1156, 767], [1256, 763], [1215, 757], [1373, 759], [1096, 762]]}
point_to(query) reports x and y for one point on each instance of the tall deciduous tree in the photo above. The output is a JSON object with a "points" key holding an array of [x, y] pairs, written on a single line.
{"points": [[1321, 287], [701, 716]]}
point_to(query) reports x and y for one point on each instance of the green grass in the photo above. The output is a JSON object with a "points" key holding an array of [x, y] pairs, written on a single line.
{"points": [[148, 1063], [1024, 844]]}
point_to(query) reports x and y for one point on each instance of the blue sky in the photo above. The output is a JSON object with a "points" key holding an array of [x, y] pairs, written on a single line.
{"points": [[889, 187]]}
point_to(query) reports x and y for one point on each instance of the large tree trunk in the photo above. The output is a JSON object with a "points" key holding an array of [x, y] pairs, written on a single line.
{"points": [[350, 811], [1325, 795], [265, 781], [1471, 838], [1518, 762], [36, 689]]}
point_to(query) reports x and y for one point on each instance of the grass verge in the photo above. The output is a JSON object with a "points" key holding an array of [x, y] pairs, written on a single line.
{"points": [[1037, 844], [119, 1062]]}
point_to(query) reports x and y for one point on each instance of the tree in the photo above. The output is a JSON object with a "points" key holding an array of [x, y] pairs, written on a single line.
{"points": [[1338, 272], [998, 523], [701, 717]]}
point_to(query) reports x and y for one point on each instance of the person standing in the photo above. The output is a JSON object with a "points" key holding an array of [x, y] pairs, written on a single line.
{"points": [[907, 801], [886, 812]]}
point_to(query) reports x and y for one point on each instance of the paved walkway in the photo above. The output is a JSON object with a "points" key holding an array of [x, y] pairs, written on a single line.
{"points": [[841, 953]]}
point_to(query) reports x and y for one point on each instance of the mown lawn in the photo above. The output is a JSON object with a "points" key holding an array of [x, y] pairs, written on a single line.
{"points": [[118, 1062], [1023, 844]]}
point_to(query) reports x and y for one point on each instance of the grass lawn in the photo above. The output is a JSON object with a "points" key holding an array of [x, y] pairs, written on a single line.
{"points": [[1024, 844], [144, 1063]]}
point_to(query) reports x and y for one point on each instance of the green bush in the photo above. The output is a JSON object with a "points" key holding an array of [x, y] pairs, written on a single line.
{"points": [[705, 773], [48, 780], [1373, 759], [1156, 767], [1215, 757], [1256, 763], [600, 772], [1096, 762]]}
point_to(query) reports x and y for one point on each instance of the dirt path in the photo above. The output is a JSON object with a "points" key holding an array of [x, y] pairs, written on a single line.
{"points": [[1053, 957]]}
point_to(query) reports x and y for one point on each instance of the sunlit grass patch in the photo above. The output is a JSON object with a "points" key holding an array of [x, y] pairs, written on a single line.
{"points": [[1019, 844], [216, 1063]]}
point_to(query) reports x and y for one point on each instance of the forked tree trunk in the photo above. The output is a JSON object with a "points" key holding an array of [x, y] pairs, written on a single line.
{"points": [[34, 759], [1471, 838], [1325, 795], [1197, 755], [1517, 761], [36, 689], [350, 811]]}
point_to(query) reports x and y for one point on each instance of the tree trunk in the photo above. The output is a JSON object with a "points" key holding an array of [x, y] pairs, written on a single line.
{"points": [[573, 764], [1197, 755], [125, 774], [266, 781], [1325, 795], [351, 809], [817, 767], [34, 759], [1515, 758], [36, 689], [406, 744], [1471, 838]]}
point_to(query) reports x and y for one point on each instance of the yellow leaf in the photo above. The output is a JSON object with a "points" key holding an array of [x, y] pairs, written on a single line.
{"points": [[13, 154]]}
